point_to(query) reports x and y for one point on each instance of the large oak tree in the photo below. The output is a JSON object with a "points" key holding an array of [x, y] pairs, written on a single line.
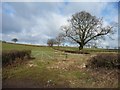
{"points": [[83, 27]]}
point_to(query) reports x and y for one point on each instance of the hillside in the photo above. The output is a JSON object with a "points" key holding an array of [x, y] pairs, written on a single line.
{"points": [[56, 69], [10, 46]]}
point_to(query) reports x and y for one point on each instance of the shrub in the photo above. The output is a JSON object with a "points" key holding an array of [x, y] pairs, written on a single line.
{"points": [[71, 51], [12, 55], [104, 61], [77, 52], [3, 41]]}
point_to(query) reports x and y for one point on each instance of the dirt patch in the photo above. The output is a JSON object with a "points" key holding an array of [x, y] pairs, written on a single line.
{"points": [[18, 83], [67, 65], [62, 64], [29, 83]]}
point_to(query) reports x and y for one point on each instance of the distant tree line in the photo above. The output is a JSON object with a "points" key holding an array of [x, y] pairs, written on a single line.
{"points": [[56, 41]]}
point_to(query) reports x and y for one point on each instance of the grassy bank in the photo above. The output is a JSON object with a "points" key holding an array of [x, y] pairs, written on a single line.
{"points": [[51, 68]]}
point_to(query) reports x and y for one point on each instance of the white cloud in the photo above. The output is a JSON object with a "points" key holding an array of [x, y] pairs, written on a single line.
{"points": [[60, 0], [94, 8], [36, 30], [37, 22]]}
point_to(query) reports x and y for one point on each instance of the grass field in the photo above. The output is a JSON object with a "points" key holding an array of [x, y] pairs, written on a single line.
{"points": [[52, 68]]}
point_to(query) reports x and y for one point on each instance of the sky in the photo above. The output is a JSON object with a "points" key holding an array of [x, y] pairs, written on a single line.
{"points": [[36, 22]]}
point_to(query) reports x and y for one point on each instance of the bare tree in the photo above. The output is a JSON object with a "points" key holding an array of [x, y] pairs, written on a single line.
{"points": [[83, 28], [14, 40], [59, 39], [51, 42]]}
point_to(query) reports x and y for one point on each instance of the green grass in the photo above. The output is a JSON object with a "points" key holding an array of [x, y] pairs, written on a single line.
{"points": [[51, 69], [9, 46]]}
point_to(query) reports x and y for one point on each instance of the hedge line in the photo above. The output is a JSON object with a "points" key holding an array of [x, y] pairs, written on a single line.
{"points": [[12, 55], [108, 61], [70, 51], [85, 51]]}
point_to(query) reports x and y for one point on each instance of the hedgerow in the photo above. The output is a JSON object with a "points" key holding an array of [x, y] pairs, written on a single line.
{"points": [[104, 60], [12, 55]]}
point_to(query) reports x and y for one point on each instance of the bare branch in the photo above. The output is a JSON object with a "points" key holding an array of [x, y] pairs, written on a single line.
{"points": [[83, 27]]}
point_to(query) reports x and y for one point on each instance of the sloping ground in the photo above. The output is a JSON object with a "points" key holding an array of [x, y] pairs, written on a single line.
{"points": [[51, 68]]}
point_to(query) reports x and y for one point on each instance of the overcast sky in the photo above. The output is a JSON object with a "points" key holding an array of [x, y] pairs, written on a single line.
{"points": [[36, 22]]}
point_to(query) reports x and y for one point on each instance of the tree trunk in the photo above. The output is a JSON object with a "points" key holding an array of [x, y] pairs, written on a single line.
{"points": [[80, 47], [58, 45]]}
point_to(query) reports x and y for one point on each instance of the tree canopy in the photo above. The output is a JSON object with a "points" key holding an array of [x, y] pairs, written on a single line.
{"points": [[51, 42], [83, 27], [14, 40]]}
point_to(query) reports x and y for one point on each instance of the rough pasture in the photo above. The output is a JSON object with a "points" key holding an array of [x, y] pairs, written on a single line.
{"points": [[51, 68]]}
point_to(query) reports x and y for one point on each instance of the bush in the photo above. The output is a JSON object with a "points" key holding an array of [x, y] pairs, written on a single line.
{"points": [[4, 42], [77, 52], [104, 61], [71, 51], [11, 56]]}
